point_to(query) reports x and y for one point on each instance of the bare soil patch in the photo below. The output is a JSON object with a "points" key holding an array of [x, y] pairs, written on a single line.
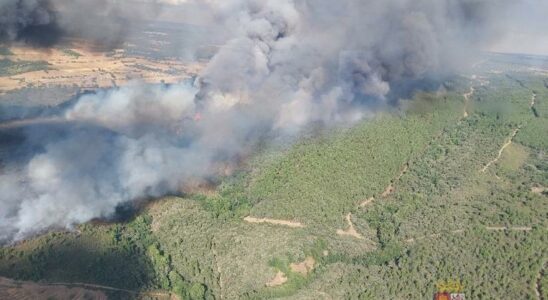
{"points": [[503, 228], [350, 231], [304, 267], [539, 190], [278, 280], [292, 224], [367, 202], [11, 289]]}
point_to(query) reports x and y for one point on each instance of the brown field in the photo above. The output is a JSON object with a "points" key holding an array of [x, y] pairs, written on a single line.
{"points": [[10, 289], [92, 69]]}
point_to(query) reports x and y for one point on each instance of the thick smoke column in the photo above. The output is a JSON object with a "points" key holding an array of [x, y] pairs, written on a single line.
{"points": [[286, 64], [29, 20], [45, 22]]}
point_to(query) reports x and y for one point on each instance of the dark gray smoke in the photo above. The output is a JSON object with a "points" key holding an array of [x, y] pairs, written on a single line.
{"points": [[285, 64], [45, 23]]}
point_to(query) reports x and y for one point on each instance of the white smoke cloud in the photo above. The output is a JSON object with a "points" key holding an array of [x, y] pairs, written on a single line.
{"points": [[285, 65]]}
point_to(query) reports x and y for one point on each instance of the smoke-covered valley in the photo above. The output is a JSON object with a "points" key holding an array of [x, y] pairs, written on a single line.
{"points": [[283, 65]]}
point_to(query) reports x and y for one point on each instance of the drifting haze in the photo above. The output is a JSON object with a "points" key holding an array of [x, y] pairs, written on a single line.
{"points": [[45, 22], [285, 65]]}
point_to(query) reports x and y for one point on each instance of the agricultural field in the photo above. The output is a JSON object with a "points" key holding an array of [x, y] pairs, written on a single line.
{"points": [[22, 67], [10, 68], [450, 185]]}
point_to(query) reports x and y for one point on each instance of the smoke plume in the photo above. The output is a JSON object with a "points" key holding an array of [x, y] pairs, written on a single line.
{"points": [[45, 23], [285, 64]]}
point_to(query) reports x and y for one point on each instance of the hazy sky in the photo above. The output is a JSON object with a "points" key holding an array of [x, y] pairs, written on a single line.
{"points": [[525, 24], [525, 28]]}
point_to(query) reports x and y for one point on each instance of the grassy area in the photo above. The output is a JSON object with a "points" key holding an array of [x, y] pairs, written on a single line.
{"points": [[10, 67], [445, 219], [71, 53], [5, 51]]}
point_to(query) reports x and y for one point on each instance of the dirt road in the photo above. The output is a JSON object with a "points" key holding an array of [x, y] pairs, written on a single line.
{"points": [[508, 143], [292, 224], [467, 101], [351, 230]]}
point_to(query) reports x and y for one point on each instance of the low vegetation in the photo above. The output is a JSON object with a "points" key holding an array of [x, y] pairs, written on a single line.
{"points": [[443, 218], [9, 67], [5, 51], [71, 53]]}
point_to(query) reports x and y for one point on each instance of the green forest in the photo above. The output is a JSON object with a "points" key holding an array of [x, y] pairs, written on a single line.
{"points": [[385, 209]]}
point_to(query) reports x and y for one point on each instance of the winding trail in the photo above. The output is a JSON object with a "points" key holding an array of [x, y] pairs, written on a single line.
{"points": [[389, 189], [508, 143], [467, 101], [538, 285], [501, 228], [351, 230], [292, 224]]}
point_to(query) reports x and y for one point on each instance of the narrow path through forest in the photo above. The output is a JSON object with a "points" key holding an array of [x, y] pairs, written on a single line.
{"points": [[389, 189], [538, 283], [508, 143], [351, 230], [292, 224], [467, 101]]}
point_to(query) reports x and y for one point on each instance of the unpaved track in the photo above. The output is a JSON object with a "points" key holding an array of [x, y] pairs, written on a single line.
{"points": [[538, 286], [291, 224], [350, 231], [501, 228], [389, 189], [508, 143], [467, 101], [367, 202]]}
